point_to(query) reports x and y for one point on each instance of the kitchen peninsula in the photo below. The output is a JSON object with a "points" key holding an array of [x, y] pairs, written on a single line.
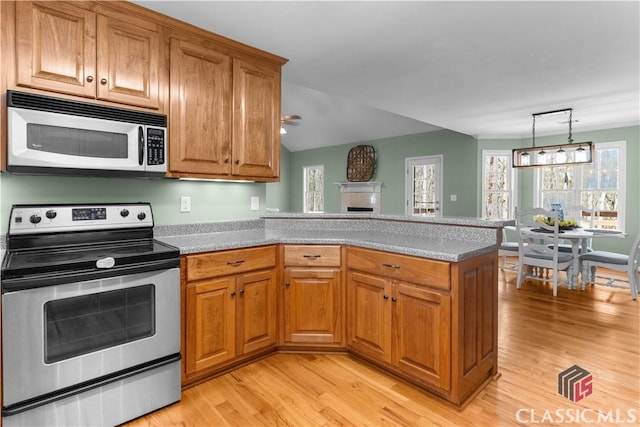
{"points": [[416, 297]]}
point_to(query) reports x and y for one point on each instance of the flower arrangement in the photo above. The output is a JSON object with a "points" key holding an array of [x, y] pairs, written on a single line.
{"points": [[565, 224]]}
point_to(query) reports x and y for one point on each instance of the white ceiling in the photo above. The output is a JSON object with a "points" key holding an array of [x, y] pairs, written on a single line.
{"points": [[361, 70]]}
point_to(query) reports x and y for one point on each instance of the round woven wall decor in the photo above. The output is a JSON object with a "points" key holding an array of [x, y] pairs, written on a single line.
{"points": [[361, 163]]}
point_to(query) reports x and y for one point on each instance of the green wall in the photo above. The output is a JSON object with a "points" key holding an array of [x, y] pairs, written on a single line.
{"points": [[278, 192], [210, 200], [459, 170]]}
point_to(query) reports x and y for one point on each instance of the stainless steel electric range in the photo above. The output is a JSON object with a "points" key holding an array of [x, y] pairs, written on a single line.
{"points": [[90, 316]]}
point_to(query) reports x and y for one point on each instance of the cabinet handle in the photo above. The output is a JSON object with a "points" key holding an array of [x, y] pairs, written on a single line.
{"points": [[89, 79], [394, 266], [237, 162], [226, 160], [287, 283], [241, 291], [103, 82], [394, 299], [385, 296], [235, 263], [232, 293], [312, 257]]}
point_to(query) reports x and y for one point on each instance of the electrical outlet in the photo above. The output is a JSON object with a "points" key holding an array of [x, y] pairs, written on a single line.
{"points": [[454, 198], [255, 203], [185, 204]]}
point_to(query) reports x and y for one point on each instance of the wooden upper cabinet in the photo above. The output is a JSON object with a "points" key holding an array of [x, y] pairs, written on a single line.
{"points": [[256, 120], [68, 48], [128, 60], [56, 47], [200, 109], [224, 110]]}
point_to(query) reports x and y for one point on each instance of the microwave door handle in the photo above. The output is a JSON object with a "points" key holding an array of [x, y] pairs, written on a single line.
{"points": [[140, 145]]}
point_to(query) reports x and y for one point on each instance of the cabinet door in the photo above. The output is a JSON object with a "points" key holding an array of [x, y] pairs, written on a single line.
{"points": [[56, 47], [312, 308], [211, 320], [256, 140], [256, 320], [369, 321], [128, 60], [200, 112], [422, 333]]}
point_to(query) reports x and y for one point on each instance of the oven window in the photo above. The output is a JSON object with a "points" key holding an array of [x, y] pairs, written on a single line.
{"points": [[77, 142], [81, 325]]}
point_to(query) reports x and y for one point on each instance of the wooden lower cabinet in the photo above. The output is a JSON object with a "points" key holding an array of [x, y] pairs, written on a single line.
{"points": [[430, 322], [230, 309], [401, 324], [441, 336], [312, 295]]}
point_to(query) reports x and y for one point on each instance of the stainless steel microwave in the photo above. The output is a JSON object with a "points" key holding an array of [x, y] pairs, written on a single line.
{"points": [[57, 136]]}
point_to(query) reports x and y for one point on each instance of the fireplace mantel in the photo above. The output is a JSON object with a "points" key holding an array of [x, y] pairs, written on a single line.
{"points": [[360, 187]]}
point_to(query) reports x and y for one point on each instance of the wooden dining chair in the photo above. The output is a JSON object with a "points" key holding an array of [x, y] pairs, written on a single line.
{"points": [[538, 248], [613, 261]]}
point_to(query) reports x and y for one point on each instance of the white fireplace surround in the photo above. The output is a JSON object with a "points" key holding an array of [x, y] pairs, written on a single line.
{"points": [[360, 195]]}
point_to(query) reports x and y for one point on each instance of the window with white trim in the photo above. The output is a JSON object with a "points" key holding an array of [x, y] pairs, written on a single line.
{"points": [[313, 188], [601, 184], [498, 184]]}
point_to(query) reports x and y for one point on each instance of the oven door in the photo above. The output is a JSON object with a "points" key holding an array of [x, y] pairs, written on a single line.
{"points": [[60, 336], [54, 140]]}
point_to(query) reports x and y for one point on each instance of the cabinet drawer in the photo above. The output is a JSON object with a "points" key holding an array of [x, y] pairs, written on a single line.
{"points": [[402, 267], [222, 263], [312, 256]]}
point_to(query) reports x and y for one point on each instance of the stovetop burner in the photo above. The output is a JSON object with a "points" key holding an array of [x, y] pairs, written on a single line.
{"points": [[52, 243]]}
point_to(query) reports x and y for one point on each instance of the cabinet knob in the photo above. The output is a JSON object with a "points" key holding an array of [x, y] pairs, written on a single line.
{"points": [[287, 283], [394, 299], [232, 293], [89, 79], [385, 296], [237, 162], [103, 81], [226, 160], [241, 291]]}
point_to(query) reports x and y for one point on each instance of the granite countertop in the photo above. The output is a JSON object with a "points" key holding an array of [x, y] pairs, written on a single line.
{"points": [[421, 246]]}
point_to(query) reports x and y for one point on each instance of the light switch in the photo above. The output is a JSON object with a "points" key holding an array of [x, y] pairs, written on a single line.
{"points": [[255, 203]]}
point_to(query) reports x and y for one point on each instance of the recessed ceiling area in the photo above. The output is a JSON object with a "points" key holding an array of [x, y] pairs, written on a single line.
{"points": [[361, 70]]}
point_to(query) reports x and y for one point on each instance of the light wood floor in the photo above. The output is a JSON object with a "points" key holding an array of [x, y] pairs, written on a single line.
{"points": [[539, 336]]}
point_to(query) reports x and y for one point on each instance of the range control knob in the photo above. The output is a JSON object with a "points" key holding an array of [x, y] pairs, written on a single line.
{"points": [[51, 214], [35, 219], [142, 216], [124, 213]]}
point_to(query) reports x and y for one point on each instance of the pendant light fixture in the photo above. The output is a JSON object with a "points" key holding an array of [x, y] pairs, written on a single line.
{"points": [[552, 155]]}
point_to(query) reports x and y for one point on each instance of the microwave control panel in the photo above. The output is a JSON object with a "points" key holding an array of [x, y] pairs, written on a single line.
{"points": [[155, 146]]}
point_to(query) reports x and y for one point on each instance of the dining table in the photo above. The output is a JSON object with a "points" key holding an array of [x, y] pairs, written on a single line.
{"points": [[579, 237]]}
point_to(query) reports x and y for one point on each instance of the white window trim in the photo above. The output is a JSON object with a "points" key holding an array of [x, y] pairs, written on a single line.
{"points": [[305, 208], [513, 184], [622, 177], [408, 203]]}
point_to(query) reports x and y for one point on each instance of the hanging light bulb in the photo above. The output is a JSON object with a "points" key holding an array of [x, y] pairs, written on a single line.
{"points": [[581, 154], [542, 157], [561, 156], [525, 159]]}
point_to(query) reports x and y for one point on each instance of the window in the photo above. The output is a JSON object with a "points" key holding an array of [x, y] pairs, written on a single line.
{"points": [[423, 185], [313, 197], [601, 184], [498, 184]]}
